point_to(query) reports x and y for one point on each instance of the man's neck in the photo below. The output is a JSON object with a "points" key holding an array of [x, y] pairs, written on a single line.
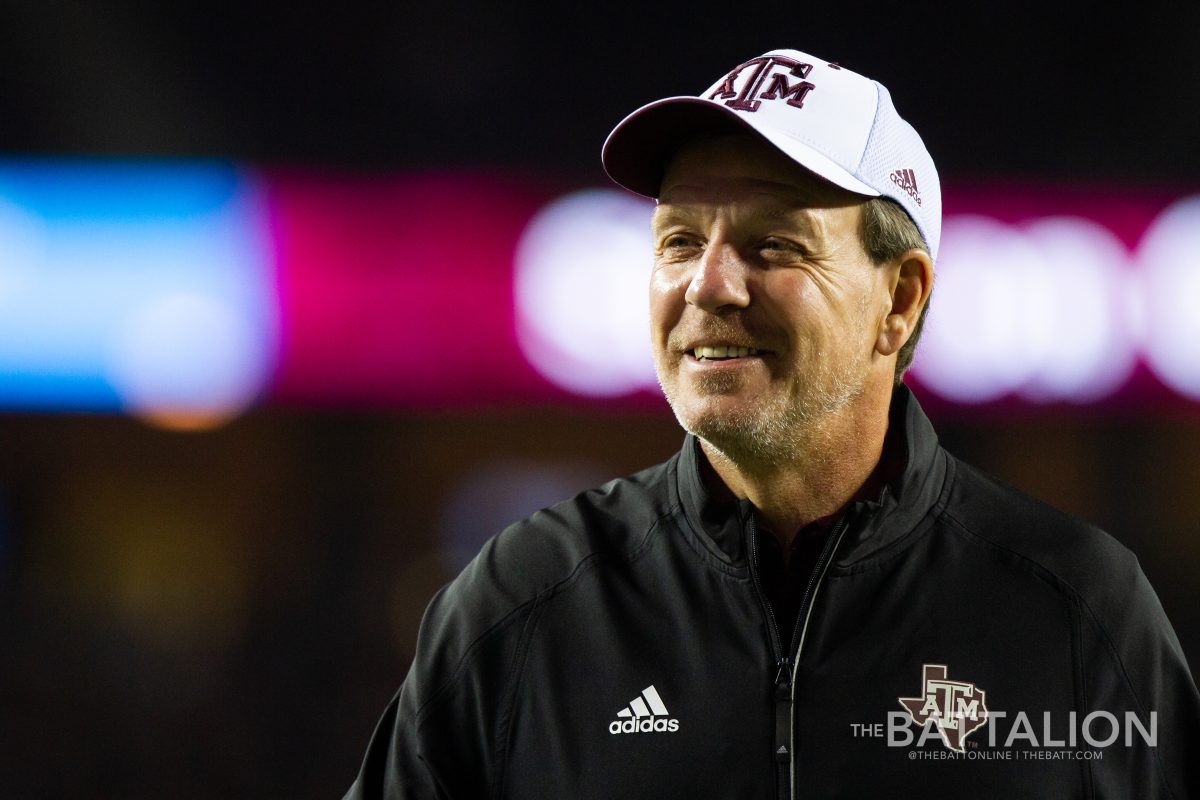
{"points": [[830, 465]]}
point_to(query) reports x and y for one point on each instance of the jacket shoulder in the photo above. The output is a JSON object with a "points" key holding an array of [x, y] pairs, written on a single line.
{"points": [[534, 558], [1078, 559], [1072, 550], [541, 552]]}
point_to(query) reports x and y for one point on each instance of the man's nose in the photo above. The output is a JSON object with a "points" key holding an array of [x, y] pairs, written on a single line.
{"points": [[719, 282]]}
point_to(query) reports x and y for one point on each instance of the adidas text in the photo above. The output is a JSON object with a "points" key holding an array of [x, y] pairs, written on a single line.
{"points": [[658, 725]]}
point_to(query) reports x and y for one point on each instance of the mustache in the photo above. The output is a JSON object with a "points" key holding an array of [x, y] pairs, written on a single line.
{"points": [[735, 329]]}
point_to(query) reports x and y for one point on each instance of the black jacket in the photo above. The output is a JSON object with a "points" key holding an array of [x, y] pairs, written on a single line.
{"points": [[618, 645]]}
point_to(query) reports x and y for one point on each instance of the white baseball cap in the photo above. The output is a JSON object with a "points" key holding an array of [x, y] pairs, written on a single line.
{"points": [[836, 123]]}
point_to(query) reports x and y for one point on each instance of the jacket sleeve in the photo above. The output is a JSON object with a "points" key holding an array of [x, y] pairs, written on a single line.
{"points": [[1135, 666], [392, 767], [443, 735]]}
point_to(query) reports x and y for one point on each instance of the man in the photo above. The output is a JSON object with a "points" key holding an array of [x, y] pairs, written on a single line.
{"points": [[811, 599]]}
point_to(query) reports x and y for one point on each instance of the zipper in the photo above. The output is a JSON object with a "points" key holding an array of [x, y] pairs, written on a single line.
{"points": [[806, 607], [785, 664], [782, 747]]}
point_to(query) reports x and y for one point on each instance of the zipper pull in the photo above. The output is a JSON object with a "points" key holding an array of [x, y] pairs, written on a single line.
{"points": [[783, 678]]}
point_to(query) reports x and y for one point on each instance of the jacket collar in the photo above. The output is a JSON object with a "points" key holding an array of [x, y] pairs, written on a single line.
{"points": [[875, 524]]}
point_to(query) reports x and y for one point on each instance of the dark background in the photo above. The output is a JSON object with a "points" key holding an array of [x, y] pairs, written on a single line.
{"points": [[225, 614], [1025, 89]]}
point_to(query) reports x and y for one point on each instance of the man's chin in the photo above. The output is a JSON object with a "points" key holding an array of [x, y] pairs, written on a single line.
{"points": [[734, 420], [727, 430]]}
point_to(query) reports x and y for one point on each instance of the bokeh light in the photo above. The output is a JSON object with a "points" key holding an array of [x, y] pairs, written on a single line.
{"points": [[581, 274], [142, 286], [1170, 261]]}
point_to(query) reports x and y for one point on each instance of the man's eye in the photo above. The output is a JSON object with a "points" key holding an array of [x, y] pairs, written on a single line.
{"points": [[781, 246], [678, 240]]}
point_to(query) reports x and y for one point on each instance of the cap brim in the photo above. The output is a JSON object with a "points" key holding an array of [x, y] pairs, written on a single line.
{"points": [[637, 152]]}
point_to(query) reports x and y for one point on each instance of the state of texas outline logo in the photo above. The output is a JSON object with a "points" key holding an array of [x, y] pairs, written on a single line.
{"points": [[957, 708]]}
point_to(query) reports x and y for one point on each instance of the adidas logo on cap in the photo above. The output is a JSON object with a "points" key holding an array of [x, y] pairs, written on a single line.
{"points": [[646, 713], [906, 179]]}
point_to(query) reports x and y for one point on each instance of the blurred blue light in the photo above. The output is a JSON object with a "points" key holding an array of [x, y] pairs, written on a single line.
{"points": [[98, 260]]}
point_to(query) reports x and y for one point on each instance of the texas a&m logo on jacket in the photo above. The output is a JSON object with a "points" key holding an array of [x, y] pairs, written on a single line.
{"points": [[957, 708]]}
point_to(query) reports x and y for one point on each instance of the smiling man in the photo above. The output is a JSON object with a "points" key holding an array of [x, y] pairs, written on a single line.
{"points": [[812, 598], [775, 335]]}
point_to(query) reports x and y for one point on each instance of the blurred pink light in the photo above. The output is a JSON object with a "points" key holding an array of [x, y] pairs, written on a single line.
{"points": [[399, 290], [1171, 266]]}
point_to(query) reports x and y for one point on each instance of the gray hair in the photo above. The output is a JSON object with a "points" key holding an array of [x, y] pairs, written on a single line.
{"points": [[887, 232]]}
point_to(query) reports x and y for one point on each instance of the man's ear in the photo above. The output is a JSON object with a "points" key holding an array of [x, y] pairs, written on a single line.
{"points": [[910, 282]]}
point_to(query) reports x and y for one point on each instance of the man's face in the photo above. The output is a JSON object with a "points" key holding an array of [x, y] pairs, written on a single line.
{"points": [[764, 307]]}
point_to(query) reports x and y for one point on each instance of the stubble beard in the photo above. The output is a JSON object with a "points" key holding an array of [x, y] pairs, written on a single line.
{"points": [[768, 431]]}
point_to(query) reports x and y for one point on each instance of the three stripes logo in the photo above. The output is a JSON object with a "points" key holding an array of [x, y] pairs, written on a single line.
{"points": [[646, 713], [906, 179]]}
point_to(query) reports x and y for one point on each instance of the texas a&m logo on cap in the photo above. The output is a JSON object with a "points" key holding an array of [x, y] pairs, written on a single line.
{"points": [[765, 78]]}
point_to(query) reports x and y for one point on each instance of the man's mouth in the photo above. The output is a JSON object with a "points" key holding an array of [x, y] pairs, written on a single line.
{"points": [[722, 353]]}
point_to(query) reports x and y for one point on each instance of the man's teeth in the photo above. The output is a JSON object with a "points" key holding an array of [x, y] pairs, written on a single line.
{"points": [[724, 352]]}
